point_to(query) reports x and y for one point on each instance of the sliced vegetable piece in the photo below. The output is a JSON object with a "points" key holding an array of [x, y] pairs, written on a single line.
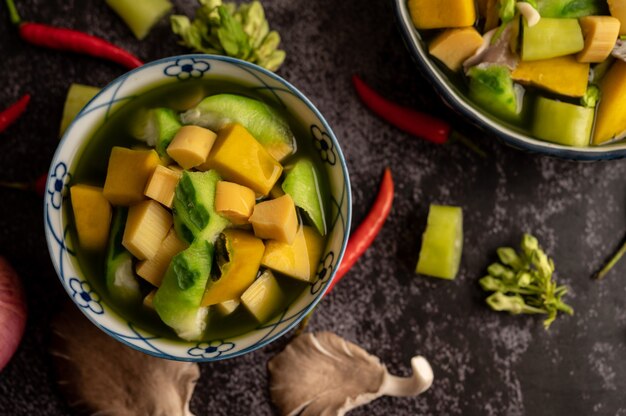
{"points": [[177, 301], [298, 260], [146, 227], [264, 297], [570, 8], [157, 127], [492, 88], [194, 206], [120, 279], [191, 145], [442, 242], [78, 95], [562, 123], [600, 34], [454, 46], [263, 122], [618, 10], [152, 270], [550, 38], [13, 312], [162, 185], [562, 75], [140, 16], [244, 258], [127, 175], [437, 14], [241, 159], [303, 185], [92, 216], [275, 219], [234, 202], [611, 118], [227, 307]]}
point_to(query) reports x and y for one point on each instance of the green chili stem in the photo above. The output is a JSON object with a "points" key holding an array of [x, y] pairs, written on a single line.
{"points": [[612, 262], [15, 16], [456, 136]]}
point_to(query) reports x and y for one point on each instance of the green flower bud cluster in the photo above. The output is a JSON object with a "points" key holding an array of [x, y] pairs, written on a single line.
{"points": [[523, 282], [227, 29]]}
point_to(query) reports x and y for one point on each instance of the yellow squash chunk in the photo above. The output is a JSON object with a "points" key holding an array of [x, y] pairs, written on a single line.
{"points": [[92, 216], [148, 301], [147, 225], [454, 46], [298, 260], [162, 185], [600, 33], [191, 146], [234, 202], [127, 175], [154, 269], [437, 14], [618, 10], [264, 297], [244, 253], [611, 113], [227, 307], [275, 219], [239, 158], [563, 75]]}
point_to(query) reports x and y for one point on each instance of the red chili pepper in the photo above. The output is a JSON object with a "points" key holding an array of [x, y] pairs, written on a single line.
{"points": [[13, 112], [71, 40], [406, 119], [367, 231]]}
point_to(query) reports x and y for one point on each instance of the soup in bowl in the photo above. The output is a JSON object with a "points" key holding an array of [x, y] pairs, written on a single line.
{"points": [[197, 208]]}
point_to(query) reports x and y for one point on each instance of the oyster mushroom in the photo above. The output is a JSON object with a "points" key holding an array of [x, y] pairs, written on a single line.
{"points": [[323, 374], [496, 52], [102, 376]]}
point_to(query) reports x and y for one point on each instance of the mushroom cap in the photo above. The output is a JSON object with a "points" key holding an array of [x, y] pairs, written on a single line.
{"points": [[322, 373], [102, 376]]}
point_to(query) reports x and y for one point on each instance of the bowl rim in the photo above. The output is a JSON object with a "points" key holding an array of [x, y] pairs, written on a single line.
{"points": [[460, 104], [347, 219]]}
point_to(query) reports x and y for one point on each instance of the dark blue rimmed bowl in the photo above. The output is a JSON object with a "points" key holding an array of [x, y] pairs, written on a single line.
{"points": [[453, 97], [178, 69]]}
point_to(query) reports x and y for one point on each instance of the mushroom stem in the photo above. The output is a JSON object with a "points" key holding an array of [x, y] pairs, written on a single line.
{"points": [[421, 380]]}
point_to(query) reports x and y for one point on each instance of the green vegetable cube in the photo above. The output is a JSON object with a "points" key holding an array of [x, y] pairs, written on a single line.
{"points": [[442, 242]]}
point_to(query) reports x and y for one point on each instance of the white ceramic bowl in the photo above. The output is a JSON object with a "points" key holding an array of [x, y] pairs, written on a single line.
{"points": [[456, 99], [177, 70]]}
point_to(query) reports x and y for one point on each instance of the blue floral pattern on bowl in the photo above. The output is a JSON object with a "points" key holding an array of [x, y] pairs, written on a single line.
{"points": [[211, 350], [124, 89], [186, 68]]}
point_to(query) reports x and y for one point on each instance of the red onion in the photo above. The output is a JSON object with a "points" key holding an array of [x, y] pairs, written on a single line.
{"points": [[12, 312]]}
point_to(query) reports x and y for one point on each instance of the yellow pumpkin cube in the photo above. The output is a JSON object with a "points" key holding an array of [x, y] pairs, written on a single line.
{"points": [[239, 158], [234, 202], [611, 112], [454, 46], [600, 34], [562, 75], [162, 185], [146, 226], [618, 10], [437, 14], [244, 253], [92, 216], [227, 307], [127, 175], [275, 219], [264, 297], [191, 146], [153, 270], [148, 301], [299, 260]]}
